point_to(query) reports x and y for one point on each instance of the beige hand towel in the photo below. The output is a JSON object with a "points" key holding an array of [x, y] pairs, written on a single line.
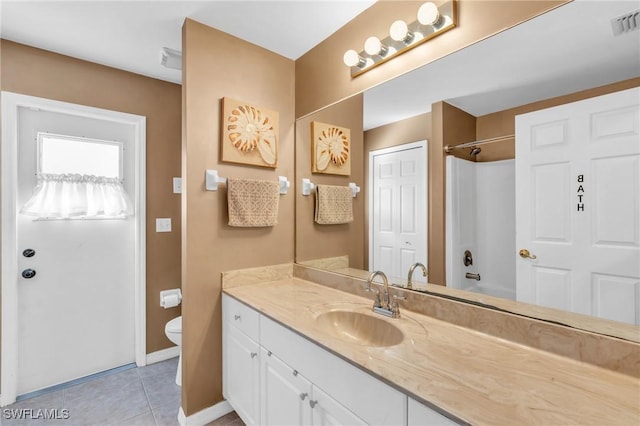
{"points": [[252, 203], [334, 204]]}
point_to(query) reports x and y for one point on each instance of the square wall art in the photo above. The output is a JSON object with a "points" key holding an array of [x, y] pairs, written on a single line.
{"points": [[330, 149], [249, 134]]}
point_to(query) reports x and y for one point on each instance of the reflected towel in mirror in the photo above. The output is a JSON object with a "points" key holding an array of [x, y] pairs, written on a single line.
{"points": [[334, 204]]}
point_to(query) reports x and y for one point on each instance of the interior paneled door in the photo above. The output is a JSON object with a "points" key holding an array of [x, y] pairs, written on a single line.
{"points": [[398, 209], [76, 315], [578, 207]]}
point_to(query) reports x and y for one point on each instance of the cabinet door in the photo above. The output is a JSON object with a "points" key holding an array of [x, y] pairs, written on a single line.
{"points": [[285, 394], [421, 415], [242, 375], [326, 411]]}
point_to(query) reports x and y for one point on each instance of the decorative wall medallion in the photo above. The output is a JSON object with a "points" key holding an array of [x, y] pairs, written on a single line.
{"points": [[249, 134], [330, 149]]}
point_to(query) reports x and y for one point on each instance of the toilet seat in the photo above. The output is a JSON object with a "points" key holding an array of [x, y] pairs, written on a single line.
{"points": [[173, 330], [175, 325]]}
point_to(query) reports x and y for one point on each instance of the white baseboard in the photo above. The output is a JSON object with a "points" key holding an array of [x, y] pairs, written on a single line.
{"points": [[205, 416], [163, 355]]}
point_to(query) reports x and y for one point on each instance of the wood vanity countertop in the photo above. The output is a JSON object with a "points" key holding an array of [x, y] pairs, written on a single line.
{"points": [[476, 377]]}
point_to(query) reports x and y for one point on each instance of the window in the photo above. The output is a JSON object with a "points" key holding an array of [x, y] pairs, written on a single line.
{"points": [[71, 155], [78, 178]]}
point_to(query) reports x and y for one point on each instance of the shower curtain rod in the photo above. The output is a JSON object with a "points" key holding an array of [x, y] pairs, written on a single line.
{"points": [[449, 148]]}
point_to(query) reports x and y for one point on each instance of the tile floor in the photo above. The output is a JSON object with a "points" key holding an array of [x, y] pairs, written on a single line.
{"points": [[146, 396]]}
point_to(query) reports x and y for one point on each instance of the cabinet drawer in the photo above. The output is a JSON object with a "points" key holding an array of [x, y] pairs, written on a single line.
{"points": [[240, 316], [367, 397]]}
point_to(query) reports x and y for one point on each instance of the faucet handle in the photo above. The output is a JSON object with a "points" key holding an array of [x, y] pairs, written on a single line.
{"points": [[395, 308]]}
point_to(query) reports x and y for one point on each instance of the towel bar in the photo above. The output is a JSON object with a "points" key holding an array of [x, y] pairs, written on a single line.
{"points": [[308, 187], [212, 179]]}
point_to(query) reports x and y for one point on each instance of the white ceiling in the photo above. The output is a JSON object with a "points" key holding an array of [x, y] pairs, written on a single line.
{"points": [[569, 49], [130, 34]]}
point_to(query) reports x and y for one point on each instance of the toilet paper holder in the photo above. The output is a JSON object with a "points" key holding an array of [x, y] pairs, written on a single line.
{"points": [[170, 298]]}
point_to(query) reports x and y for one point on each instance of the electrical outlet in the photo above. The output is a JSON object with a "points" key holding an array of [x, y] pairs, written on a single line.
{"points": [[177, 185], [163, 224]]}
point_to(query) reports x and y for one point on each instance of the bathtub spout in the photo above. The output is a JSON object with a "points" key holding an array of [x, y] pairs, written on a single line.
{"points": [[471, 276]]}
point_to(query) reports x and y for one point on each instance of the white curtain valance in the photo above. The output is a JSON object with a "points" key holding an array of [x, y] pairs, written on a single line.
{"points": [[64, 196]]}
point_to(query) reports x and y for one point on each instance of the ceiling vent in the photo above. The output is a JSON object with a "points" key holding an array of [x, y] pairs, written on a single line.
{"points": [[171, 58], [626, 23]]}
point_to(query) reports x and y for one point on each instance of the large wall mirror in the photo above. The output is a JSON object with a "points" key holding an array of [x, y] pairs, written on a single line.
{"points": [[466, 200]]}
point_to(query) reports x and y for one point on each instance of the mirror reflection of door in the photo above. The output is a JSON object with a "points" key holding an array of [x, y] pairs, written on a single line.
{"points": [[398, 231], [578, 192]]}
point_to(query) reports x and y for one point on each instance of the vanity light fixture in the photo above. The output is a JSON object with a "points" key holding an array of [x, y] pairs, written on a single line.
{"points": [[399, 31], [352, 59], [428, 14], [373, 46], [431, 21]]}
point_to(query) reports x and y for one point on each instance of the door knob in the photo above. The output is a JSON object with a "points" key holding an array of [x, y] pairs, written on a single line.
{"points": [[29, 252], [28, 273], [524, 253]]}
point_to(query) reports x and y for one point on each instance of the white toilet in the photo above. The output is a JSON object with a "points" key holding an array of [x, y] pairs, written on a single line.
{"points": [[173, 330]]}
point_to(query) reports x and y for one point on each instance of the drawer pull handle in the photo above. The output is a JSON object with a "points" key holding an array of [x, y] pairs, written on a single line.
{"points": [[237, 317], [295, 373], [254, 354], [303, 395], [313, 403]]}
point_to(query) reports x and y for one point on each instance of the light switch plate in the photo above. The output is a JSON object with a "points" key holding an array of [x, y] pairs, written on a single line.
{"points": [[163, 224], [177, 185]]}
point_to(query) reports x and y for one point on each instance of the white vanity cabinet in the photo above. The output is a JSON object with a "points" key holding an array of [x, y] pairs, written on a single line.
{"points": [[326, 411], [274, 376], [284, 393], [241, 359], [288, 398]]}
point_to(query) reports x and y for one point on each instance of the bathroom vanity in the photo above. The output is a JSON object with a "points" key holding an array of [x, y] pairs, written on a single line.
{"points": [[297, 352], [275, 376]]}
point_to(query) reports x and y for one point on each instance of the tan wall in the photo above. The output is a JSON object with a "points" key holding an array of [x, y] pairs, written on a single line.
{"points": [[217, 65], [412, 129], [322, 78], [36, 72], [315, 241], [451, 126]]}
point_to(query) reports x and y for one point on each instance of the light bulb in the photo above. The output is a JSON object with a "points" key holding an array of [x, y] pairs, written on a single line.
{"points": [[399, 31], [428, 14], [373, 46], [351, 58]]}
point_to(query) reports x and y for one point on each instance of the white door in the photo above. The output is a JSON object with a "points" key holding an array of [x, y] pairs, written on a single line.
{"points": [[578, 206], [242, 370], [285, 394], [398, 206], [76, 315]]}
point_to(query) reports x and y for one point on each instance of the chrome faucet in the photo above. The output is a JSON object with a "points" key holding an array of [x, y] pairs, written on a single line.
{"points": [[413, 268], [385, 308], [376, 302]]}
